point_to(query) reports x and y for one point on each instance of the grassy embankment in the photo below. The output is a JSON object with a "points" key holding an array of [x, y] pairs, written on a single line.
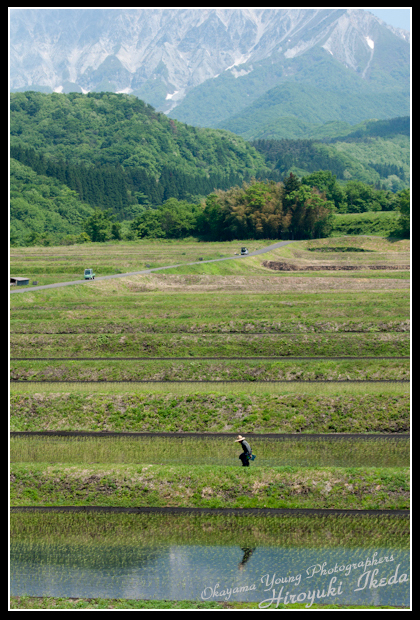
{"points": [[209, 345], [246, 407], [204, 370], [210, 486], [27, 602]]}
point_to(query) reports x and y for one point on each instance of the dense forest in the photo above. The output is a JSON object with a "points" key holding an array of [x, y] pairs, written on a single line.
{"points": [[124, 191], [374, 152], [106, 166], [159, 157]]}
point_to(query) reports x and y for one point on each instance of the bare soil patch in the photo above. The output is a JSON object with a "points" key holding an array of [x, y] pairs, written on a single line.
{"points": [[256, 284], [283, 266]]}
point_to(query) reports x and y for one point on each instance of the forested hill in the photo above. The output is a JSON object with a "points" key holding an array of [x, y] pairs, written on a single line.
{"points": [[376, 152], [71, 154], [115, 151]]}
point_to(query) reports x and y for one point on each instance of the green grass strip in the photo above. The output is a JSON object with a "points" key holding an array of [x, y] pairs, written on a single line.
{"points": [[209, 486], [241, 408], [45, 602], [208, 345], [212, 370]]}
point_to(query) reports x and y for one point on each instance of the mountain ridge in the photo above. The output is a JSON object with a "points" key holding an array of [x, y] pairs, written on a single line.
{"points": [[164, 53]]}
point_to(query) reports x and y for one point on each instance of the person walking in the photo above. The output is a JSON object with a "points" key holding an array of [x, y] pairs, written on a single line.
{"points": [[247, 452]]}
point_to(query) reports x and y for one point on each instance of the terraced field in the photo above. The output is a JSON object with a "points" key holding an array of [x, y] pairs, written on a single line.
{"points": [[227, 347]]}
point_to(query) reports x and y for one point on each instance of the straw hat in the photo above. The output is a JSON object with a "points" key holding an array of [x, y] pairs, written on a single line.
{"points": [[240, 438]]}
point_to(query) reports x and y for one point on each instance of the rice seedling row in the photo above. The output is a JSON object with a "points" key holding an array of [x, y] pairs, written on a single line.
{"points": [[347, 388], [262, 526], [156, 449]]}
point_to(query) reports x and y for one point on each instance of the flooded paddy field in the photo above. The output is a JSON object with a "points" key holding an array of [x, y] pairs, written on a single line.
{"points": [[275, 561], [183, 450]]}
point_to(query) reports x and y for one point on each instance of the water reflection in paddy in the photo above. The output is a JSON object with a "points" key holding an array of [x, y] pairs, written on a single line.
{"points": [[234, 572]]}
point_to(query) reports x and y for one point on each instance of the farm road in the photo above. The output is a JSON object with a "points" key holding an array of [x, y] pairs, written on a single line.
{"points": [[144, 271]]}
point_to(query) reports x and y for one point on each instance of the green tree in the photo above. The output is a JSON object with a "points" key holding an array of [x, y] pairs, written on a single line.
{"points": [[99, 225], [83, 238], [404, 208], [148, 225], [14, 237], [210, 222], [360, 197], [178, 218], [253, 210], [291, 183], [311, 214], [116, 231], [325, 181]]}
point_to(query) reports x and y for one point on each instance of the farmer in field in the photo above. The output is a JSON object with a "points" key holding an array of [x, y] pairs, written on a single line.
{"points": [[246, 454]]}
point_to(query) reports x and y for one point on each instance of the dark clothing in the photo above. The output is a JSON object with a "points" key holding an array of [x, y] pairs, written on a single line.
{"points": [[245, 446], [246, 453]]}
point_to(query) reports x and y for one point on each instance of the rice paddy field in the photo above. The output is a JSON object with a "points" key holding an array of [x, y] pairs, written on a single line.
{"points": [[311, 364]]}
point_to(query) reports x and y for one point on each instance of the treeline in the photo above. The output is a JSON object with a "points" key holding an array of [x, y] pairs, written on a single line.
{"points": [[306, 154], [382, 163], [350, 196], [386, 128], [288, 210], [353, 196], [255, 210], [127, 192], [292, 209], [46, 212]]}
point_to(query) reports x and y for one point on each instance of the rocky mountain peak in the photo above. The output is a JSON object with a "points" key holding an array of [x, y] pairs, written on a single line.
{"points": [[161, 54]]}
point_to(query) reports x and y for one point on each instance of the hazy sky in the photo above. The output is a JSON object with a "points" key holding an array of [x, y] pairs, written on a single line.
{"points": [[399, 18]]}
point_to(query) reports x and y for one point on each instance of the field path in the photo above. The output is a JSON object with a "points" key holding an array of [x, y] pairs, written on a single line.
{"points": [[144, 271]]}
